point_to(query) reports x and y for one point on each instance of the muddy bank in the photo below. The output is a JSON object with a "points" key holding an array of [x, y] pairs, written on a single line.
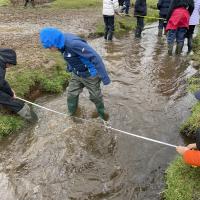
{"points": [[20, 28]]}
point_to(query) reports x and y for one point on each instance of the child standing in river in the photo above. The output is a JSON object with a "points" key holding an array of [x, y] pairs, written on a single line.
{"points": [[110, 7]]}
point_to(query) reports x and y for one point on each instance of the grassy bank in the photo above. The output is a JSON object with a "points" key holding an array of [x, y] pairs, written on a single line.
{"points": [[51, 79], [182, 180]]}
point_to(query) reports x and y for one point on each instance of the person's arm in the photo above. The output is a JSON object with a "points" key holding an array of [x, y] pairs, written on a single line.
{"points": [[192, 157], [83, 49], [4, 85], [116, 6]]}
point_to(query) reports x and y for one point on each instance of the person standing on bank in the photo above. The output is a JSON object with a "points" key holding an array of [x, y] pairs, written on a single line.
{"points": [[140, 10], [27, 1], [194, 20], [163, 7], [84, 63], [110, 7], [8, 99]]}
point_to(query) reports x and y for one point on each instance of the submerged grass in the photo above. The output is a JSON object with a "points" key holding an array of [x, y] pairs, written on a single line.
{"points": [[182, 181], [50, 79]]}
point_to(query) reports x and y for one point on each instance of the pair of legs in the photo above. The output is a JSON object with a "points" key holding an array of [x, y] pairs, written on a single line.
{"points": [[126, 7], [109, 22], [17, 106], [179, 36], [162, 25], [27, 1], [76, 86], [139, 27], [189, 35]]}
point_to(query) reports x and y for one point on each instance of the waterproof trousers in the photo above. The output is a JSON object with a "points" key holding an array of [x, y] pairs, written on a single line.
{"points": [[109, 22], [76, 86]]}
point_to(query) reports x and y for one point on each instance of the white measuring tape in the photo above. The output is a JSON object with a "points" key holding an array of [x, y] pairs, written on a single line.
{"points": [[108, 127]]}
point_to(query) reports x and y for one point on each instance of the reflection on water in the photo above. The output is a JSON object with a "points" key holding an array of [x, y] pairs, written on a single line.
{"points": [[58, 159]]}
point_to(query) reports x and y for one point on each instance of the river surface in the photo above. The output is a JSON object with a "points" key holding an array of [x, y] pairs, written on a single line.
{"points": [[58, 159]]}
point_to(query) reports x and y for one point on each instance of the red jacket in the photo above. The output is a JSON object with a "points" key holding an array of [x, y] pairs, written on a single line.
{"points": [[179, 19], [192, 157]]}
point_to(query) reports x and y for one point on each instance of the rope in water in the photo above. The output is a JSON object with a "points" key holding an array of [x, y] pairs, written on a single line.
{"points": [[106, 126]]}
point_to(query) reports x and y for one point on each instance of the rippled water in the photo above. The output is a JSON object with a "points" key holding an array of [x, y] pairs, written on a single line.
{"points": [[58, 159]]}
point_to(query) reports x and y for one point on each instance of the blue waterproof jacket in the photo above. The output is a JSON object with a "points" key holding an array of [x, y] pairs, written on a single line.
{"points": [[140, 8], [163, 6], [82, 59]]}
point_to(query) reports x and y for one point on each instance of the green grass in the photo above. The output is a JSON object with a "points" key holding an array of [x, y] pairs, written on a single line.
{"points": [[190, 126], [23, 80], [9, 124], [76, 4], [183, 182], [4, 2]]}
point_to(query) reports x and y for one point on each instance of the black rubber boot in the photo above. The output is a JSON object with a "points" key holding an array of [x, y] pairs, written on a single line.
{"points": [[110, 35], [138, 32], [170, 49], [179, 48], [160, 31], [189, 44]]}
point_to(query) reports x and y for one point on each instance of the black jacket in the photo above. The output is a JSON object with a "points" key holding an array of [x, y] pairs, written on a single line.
{"points": [[140, 8], [163, 6], [7, 56], [188, 4]]}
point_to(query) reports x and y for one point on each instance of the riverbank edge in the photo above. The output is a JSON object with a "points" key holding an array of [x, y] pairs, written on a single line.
{"points": [[182, 181]]}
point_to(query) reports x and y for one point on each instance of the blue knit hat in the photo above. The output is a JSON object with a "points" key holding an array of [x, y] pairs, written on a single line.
{"points": [[52, 37]]}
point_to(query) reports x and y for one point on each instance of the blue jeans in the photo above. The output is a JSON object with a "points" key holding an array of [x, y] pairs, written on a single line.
{"points": [[127, 5], [178, 34]]}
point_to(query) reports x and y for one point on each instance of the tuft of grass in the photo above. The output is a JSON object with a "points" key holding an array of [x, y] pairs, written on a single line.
{"points": [[190, 126], [77, 4], [182, 181], [10, 124], [48, 79], [4, 2]]}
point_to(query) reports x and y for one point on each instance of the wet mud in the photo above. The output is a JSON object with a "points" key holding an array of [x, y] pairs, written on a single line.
{"points": [[58, 159]]}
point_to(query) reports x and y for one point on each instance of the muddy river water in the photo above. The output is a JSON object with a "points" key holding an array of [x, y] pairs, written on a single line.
{"points": [[57, 159]]}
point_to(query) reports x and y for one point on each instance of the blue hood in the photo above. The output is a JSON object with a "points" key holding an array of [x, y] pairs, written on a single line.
{"points": [[52, 37]]}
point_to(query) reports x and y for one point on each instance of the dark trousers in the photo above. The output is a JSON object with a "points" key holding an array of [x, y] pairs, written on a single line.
{"points": [[189, 36], [162, 23], [12, 104], [109, 26], [139, 27], [127, 6], [178, 34], [26, 2], [121, 2]]}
